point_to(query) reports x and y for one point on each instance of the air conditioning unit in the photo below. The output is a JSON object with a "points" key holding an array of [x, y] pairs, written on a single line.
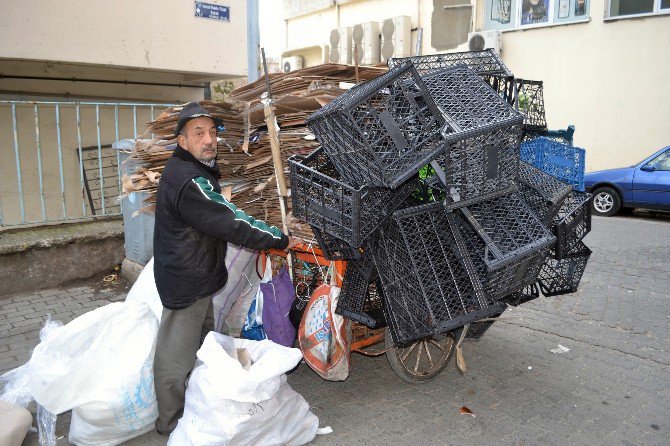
{"points": [[483, 40], [292, 63], [340, 46], [366, 41], [396, 38]]}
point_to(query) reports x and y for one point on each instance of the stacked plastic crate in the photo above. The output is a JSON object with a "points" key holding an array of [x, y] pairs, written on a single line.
{"points": [[460, 253]]}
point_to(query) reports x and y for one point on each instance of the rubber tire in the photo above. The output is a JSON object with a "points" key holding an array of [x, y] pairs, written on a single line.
{"points": [[399, 369], [615, 198]]}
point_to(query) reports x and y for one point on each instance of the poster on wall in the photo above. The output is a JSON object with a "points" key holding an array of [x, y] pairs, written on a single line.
{"points": [[563, 9], [501, 11], [580, 7], [534, 11]]}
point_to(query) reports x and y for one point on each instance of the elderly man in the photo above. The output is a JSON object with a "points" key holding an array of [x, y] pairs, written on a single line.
{"points": [[194, 222]]}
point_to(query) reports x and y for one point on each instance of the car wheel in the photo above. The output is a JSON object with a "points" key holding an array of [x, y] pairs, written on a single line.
{"points": [[605, 202]]}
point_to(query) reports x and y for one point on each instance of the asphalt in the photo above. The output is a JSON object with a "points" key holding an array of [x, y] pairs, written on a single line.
{"points": [[611, 387]]}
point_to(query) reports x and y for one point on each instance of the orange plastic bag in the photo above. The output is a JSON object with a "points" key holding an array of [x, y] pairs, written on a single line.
{"points": [[325, 337]]}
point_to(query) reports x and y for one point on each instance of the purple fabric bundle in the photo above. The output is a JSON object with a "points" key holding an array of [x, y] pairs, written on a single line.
{"points": [[278, 295]]}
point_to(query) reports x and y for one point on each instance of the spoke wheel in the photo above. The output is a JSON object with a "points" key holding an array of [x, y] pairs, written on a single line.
{"points": [[422, 360]]}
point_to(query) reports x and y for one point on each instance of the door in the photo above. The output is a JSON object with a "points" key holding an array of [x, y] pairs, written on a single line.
{"points": [[651, 185]]}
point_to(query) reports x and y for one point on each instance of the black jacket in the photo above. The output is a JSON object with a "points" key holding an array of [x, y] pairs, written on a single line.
{"points": [[194, 222]]}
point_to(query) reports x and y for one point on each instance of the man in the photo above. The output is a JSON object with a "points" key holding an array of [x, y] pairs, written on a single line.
{"points": [[194, 222]]}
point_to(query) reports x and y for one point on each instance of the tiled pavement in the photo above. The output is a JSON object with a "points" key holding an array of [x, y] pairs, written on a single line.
{"points": [[612, 387]]}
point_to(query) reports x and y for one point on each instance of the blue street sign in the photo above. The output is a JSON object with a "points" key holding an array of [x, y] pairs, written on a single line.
{"points": [[212, 11]]}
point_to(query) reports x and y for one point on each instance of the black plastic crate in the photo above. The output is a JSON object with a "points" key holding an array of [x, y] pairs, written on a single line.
{"points": [[528, 293], [503, 85], [359, 293], [426, 287], [483, 62], [382, 131], [563, 276], [506, 242], [529, 100], [343, 211], [543, 193], [334, 248], [482, 159], [572, 223]]}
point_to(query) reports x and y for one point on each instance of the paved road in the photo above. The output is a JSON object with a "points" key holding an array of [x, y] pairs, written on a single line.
{"points": [[610, 388]]}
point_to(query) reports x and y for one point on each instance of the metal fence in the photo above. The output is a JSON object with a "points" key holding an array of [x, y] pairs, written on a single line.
{"points": [[57, 160]]}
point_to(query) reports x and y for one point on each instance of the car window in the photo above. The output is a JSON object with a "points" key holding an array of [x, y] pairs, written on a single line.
{"points": [[662, 161]]}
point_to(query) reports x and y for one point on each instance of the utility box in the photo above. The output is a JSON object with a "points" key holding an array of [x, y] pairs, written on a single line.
{"points": [[138, 226]]}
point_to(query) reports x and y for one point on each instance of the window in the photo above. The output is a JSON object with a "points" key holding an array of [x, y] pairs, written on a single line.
{"points": [[661, 162], [519, 14], [623, 8]]}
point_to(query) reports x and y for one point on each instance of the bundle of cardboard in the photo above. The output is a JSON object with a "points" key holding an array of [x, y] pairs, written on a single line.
{"points": [[245, 159]]}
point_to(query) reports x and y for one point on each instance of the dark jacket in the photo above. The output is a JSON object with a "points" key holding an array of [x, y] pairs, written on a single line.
{"points": [[194, 222]]}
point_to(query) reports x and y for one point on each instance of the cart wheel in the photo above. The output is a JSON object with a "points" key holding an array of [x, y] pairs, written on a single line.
{"points": [[421, 361]]}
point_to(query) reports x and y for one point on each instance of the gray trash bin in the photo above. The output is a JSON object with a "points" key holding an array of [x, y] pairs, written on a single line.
{"points": [[138, 227]]}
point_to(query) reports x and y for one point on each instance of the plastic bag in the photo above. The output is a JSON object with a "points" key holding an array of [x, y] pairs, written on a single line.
{"points": [[253, 326], [17, 391], [100, 365], [144, 290], [255, 406], [242, 285], [278, 295], [325, 337]]}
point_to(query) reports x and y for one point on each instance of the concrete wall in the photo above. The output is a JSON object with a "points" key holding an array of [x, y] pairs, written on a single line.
{"points": [[610, 79], [151, 34], [308, 25]]}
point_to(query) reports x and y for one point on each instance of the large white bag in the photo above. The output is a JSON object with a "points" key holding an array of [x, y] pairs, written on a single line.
{"points": [[101, 366], [144, 290], [230, 304], [226, 404]]}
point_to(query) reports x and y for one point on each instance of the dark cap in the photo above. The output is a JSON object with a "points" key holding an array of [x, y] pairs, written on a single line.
{"points": [[194, 110]]}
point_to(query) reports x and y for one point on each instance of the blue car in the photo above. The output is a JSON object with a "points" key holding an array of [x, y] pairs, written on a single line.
{"points": [[644, 185]]}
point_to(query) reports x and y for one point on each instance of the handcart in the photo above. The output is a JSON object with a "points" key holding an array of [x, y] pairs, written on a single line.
{"points": [[416, 362]]}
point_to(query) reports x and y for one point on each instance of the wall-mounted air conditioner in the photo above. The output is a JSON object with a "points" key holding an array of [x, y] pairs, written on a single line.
{"points": [[289, 64], [340, 46], [366, 41], [482, 40], [396, 38]]}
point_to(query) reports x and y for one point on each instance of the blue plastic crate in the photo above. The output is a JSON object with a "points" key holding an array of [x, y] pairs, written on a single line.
{"points": [[560, 160]]}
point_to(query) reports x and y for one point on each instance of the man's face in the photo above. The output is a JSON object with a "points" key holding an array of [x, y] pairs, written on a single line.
{"points": [[199, 138]]}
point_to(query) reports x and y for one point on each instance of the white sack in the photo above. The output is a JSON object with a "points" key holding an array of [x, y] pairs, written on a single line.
{"points": [[226, 404], [100, 365], [144, 290]]}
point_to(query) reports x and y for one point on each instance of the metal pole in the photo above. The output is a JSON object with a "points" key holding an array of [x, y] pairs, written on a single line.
{"points": [[39, 160], [18, 164], [118, 153], [60, 162], [81, 162], [102, 179], [134, 122], [253, 40]]}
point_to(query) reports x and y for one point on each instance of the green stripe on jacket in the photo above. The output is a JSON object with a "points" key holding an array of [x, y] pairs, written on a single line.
{"points": [[208, 191]]}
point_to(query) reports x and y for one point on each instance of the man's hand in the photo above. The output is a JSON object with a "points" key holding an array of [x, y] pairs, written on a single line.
{"points": [[293, 242]]}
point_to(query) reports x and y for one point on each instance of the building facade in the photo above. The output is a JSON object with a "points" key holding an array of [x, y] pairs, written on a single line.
{"points": [[604, 63], [78, 76]]}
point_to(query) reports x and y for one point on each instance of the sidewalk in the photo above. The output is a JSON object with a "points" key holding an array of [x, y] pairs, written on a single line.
{"points": [[610, 388]]}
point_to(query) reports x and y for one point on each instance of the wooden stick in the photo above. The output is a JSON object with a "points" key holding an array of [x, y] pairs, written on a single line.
{"points": [[271, 122], [358, 78]]}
